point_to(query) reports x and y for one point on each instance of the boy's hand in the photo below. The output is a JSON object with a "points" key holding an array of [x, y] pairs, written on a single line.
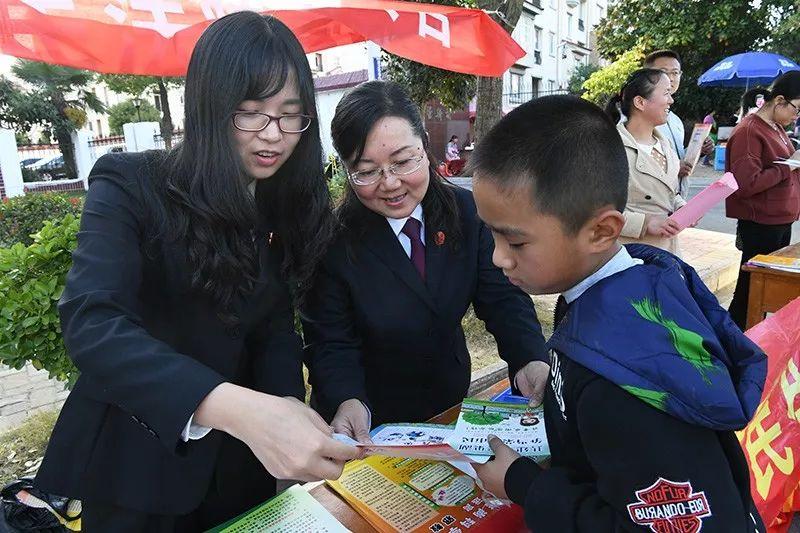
{"points": [[493, 473], [531, 381]]}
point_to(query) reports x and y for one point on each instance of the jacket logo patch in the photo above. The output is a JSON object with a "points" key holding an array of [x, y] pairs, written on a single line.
{"points": [[670, 507]]}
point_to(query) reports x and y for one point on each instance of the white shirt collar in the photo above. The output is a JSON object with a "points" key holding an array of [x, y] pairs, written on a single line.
{"points": [[398, 223], [622, 260]]}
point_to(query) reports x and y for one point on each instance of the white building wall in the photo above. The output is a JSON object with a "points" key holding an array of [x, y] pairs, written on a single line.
{"points": [[550, 31]]}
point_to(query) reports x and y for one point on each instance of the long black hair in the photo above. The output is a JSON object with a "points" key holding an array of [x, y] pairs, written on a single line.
{"points": [[206, 202], [356, 115], [642, 83]]}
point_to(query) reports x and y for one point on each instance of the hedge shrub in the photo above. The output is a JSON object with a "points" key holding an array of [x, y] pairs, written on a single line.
{"points": [[31, 282], [22, 216]]}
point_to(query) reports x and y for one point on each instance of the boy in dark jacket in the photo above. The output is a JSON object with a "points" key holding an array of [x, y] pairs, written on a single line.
{"points": [[649, 375]]}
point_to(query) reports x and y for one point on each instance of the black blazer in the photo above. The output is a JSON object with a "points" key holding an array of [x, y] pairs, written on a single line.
{"points": [[375, 331], [149, 350]]}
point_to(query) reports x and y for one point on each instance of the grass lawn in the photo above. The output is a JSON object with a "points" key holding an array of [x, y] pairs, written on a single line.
{"points": [[22, 448]]}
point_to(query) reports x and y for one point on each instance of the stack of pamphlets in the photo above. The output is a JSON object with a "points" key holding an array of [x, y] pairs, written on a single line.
{"points": [[776, 262]]}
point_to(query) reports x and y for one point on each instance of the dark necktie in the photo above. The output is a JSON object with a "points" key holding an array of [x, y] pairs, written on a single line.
{"points": [[411, 229], [561, 310]]}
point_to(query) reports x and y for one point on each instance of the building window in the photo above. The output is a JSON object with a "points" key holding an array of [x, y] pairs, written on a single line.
{"points": [[318, 62], [537, 39], [551, 86], [569, 24], [99, 128], [552, 45], [516, 82], [157, 101], [535, 87]]}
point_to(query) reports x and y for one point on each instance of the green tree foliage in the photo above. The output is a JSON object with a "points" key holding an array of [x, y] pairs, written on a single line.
{"points": [[702, 32], [604, 83], [139, 86], [787, 35], [126, 112], [579, 75], [58, 100]]}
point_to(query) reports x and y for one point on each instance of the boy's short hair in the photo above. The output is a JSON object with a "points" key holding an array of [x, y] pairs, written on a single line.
{"points": [[658, 54], [566, 149]]}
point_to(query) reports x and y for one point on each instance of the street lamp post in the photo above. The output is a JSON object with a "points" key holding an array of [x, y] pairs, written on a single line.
{"points": [[137, 103]]}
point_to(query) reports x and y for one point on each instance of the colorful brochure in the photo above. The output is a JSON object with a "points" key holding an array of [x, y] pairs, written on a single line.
{"points": [[519, 426], [789, 264], [702, 203], [290, 511], [508, 397], [699, 136], [395, 494], [421, 441]]}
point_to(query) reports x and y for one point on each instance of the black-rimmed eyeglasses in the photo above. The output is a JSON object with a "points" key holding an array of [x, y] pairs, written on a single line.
{"points": [[252, 121]]}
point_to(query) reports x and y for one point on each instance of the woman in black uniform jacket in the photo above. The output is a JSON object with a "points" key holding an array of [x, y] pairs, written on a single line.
{"points": [[178, 308], [383, 320]]}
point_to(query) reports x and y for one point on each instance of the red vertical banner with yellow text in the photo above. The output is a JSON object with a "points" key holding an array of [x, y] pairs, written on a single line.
{"points": [[771, 441]]}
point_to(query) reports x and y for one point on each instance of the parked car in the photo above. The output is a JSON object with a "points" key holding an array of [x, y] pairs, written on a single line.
{"points": [[49, 168], [28, 161]]}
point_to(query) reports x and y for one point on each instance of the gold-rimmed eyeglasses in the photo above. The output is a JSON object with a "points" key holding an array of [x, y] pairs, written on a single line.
{"points": [[373, 175]]}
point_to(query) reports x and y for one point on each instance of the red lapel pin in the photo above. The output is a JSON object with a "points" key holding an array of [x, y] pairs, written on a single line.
{"points": [[439, 238]]}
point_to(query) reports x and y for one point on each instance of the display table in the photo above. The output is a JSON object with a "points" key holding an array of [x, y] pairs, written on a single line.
{"points": [[771, 289], [344, 513]]}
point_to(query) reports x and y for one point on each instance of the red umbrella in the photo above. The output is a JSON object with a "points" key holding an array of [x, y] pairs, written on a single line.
{"points": [[156, 37]]}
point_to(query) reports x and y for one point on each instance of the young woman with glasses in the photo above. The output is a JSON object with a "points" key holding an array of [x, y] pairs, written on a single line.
{"points": [[178, 307], [768, 199], [382, 323]]}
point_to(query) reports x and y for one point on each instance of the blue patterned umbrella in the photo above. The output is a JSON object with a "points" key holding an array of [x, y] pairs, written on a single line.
{"points": [[744, 70]]}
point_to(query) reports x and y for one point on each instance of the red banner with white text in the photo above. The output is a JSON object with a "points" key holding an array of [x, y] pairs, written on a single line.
{"points": [[156, 37]]}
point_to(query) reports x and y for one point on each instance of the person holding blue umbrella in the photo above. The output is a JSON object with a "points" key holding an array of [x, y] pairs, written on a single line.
{"points": [[768, 199]]}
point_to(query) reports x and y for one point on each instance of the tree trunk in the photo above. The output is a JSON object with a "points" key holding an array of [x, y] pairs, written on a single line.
{"points": [[489, 100], [63, 133], [489, 106], [166, 116], [67, 148]]}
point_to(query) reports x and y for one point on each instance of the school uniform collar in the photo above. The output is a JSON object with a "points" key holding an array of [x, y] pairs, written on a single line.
{"points": [[622, 260], [397, 223]]}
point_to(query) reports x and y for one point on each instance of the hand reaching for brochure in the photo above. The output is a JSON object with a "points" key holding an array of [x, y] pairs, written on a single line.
{"points": [[531, 381], [290, 439], [352, 419], [493, 473], [660, 226]]}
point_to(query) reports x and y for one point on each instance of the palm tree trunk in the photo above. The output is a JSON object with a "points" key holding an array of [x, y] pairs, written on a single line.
{"points": [[489, 100], [166, 117], [63, 132]]}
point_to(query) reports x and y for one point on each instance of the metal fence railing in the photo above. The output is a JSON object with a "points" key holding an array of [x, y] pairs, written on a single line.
{"points": [[158, 140], [100, 146], [519, 98]]}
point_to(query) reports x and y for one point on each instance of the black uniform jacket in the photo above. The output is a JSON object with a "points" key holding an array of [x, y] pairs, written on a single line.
{"points": [[149, 350]]}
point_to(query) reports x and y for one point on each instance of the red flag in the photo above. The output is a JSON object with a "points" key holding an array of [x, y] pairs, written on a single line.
{"points": [[156, 37]]}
